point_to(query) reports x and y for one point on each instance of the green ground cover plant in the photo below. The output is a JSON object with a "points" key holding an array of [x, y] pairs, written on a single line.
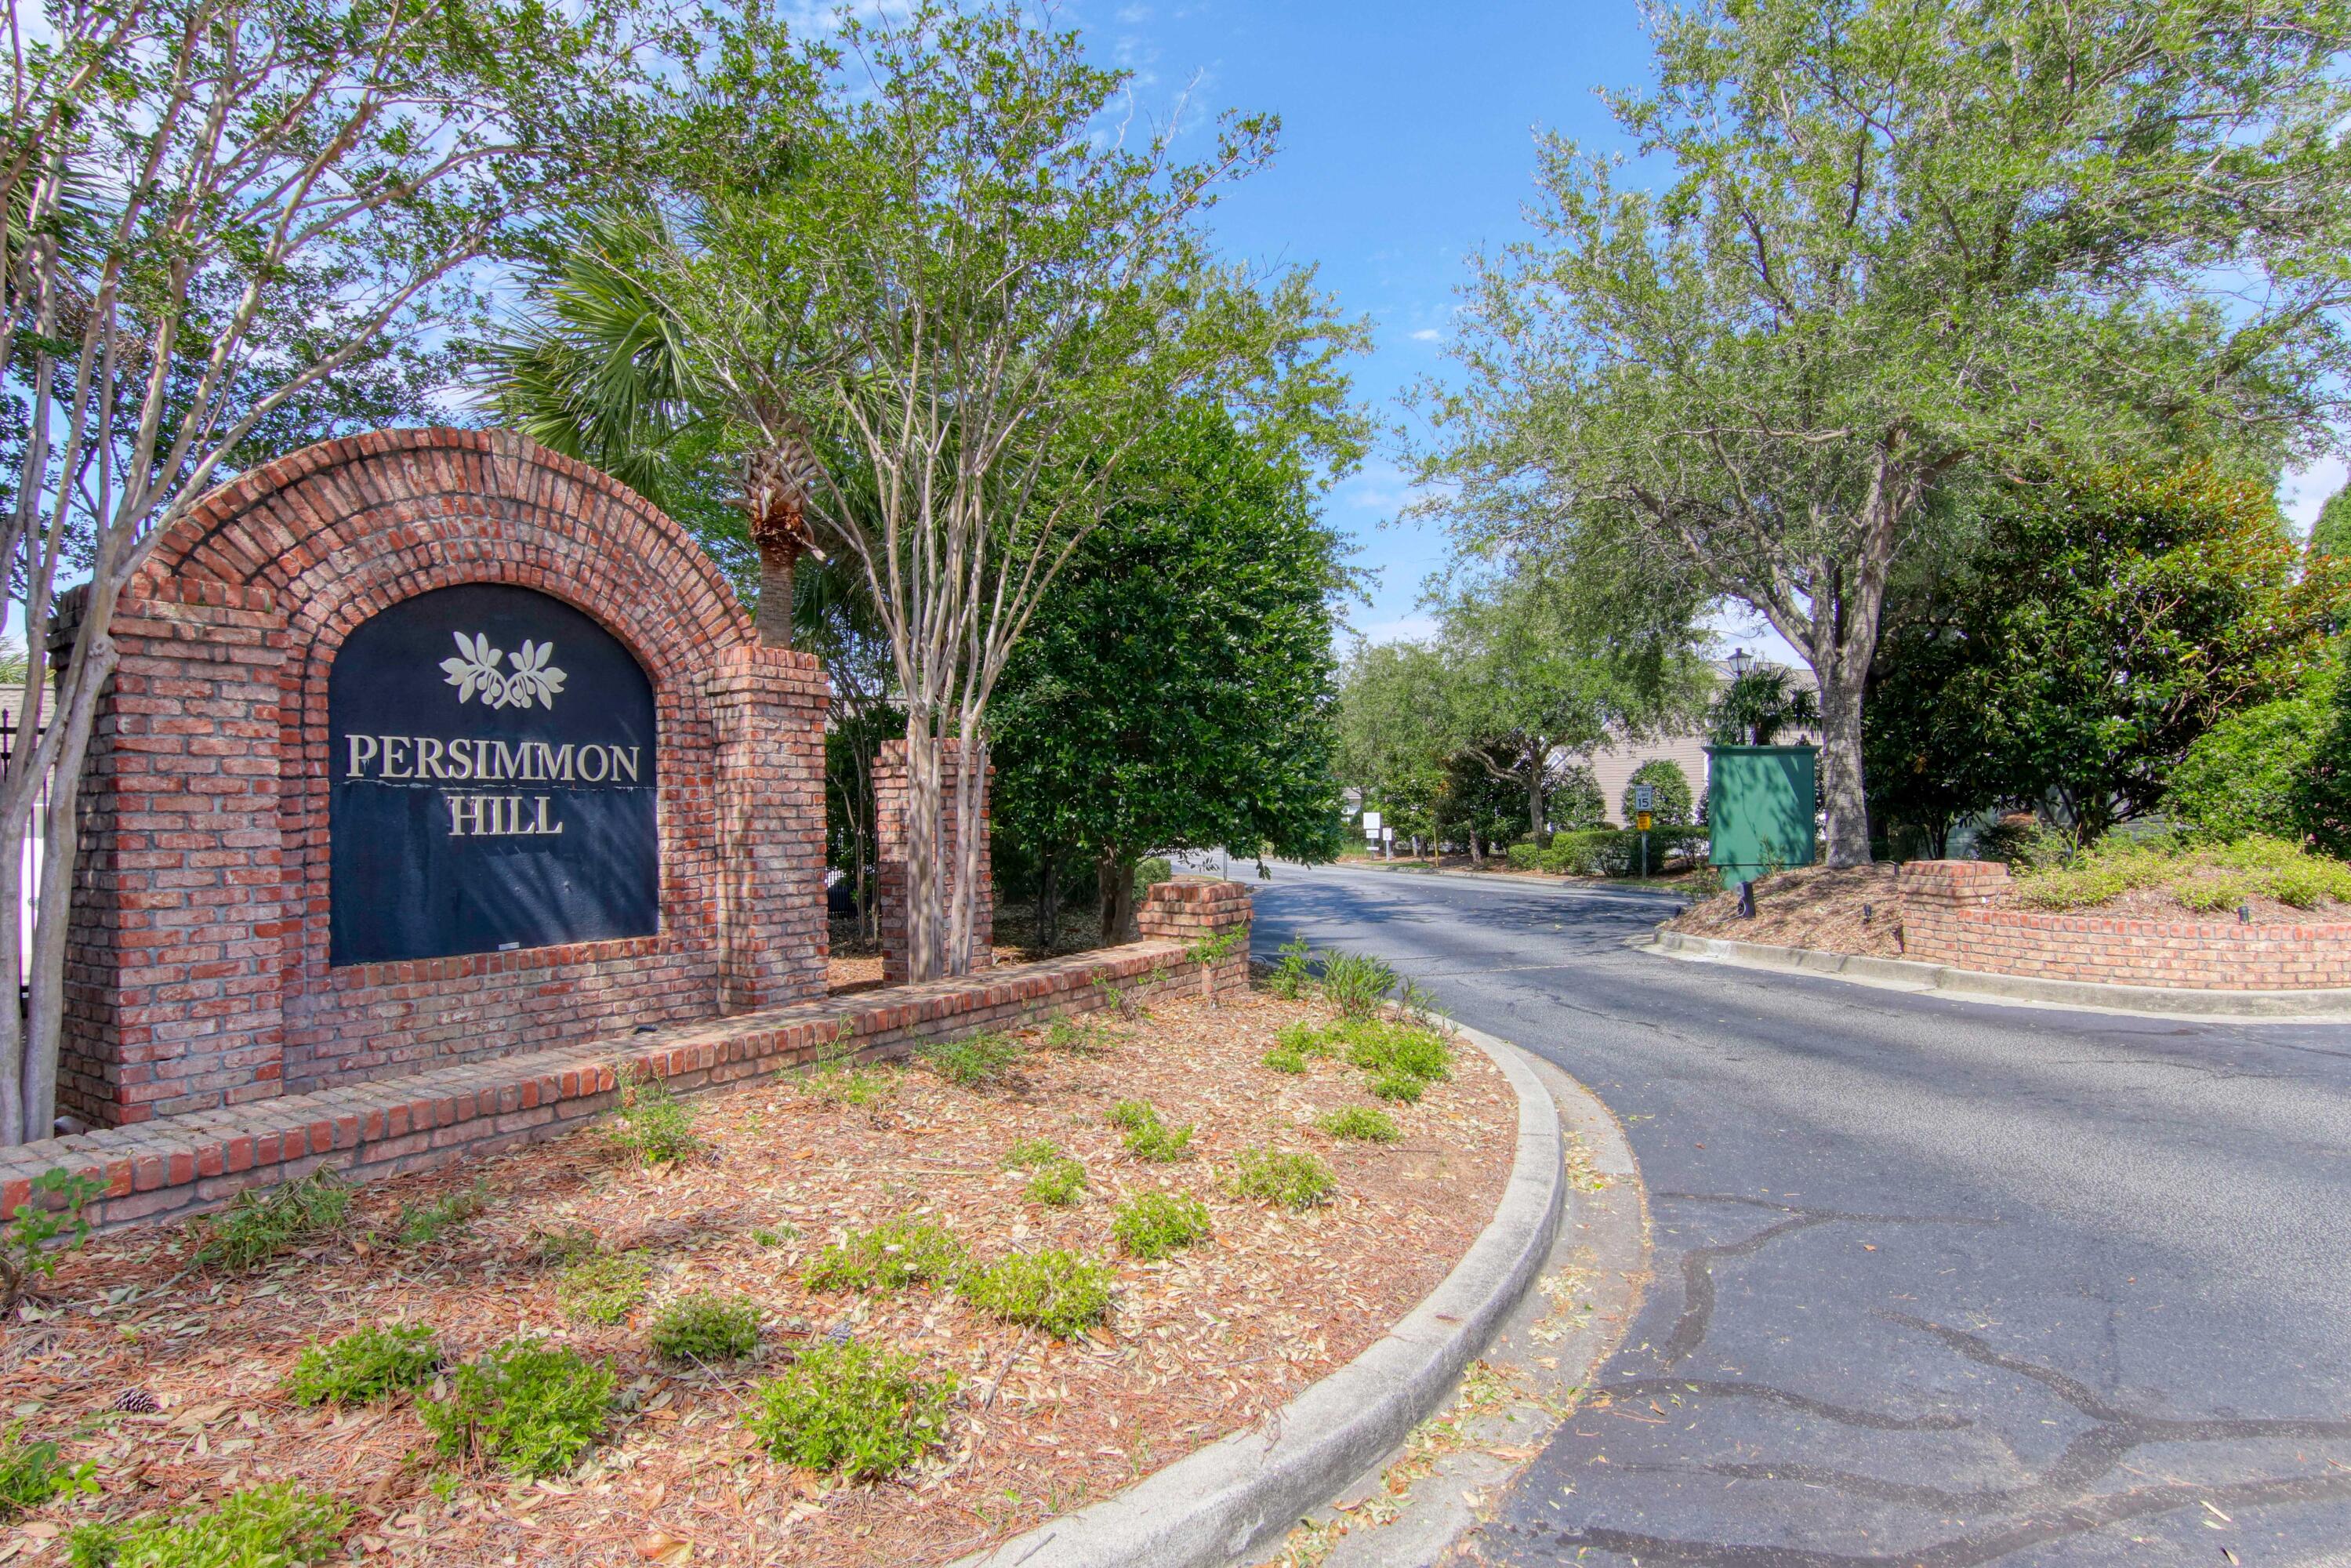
{"points": [[552, 1248], [29, 1241], [277, 1526], [1282, 1059], [861, 1087], [1077, 1038], [1307, 1041], [1293, 972], [1355, 983], [1055, 1289], [531, 1407], [30, 1474], [859, 1412], [973, 1063], [1057, 1185], [891, 1256], [1148, 1137], [258, 1226], [1401, 1087], [1362, 1123], [652, 1123], [421, 1223], [359, 1368], [604, 1288], [1378, 1046], [1292, 1180], [705, 1329], [1032, 1153], [1156, 1224], [2210, 878]]}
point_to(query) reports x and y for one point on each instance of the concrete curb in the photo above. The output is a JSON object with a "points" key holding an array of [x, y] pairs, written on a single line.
{"points": [[2010, 991], [1246, 1490]]}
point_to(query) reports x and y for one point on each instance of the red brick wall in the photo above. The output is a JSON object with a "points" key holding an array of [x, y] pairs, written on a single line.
{"points": [[1957, 913], [167, 1168], [197, 964], [889, 854]]}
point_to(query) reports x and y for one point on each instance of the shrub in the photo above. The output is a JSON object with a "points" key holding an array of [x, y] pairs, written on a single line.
{"points": [[1156, 1224], [258, 1226], [1056, 1290], [264, 1527], [24, 1241], [1149, 873], [2208, 877], [1293, 1181], [889, 1256], [1362, 1124], [975, 1062], [704, 1328], [421, 1223], [1355, 983], [652, 1123], [1378, 1046], [851, 1410], [359, 1368], [1148, 1137], [1057, 1184], [2244, 774], [1293, 973], [857, 1086], [1401, 1087], [1306, 1041], [1669, 788], [1285, 1060], [30, 1474], [604, 1288], [532, 1406]]}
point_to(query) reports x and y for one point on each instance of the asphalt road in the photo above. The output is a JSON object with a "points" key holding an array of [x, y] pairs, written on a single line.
{"points": [[1937, 1283]]}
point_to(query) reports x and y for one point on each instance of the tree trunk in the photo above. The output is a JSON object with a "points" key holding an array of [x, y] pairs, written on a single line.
{"points": [[1475, 860], [925, 899], [1841, 779], [961, 931], [773, 620], [1114, 880], [1049, 910], [1535, 801]]}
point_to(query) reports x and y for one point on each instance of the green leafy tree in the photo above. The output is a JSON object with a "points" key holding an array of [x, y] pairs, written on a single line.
{"points": [[225, 218], [2321, 797], [1899, 250], [2249, 773], [2331, 534], [2100, 624], [1175, 690], [1393, 742]]}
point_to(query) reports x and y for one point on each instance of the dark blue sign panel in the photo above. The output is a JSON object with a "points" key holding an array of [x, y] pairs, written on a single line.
{"points": [[491, 769]]}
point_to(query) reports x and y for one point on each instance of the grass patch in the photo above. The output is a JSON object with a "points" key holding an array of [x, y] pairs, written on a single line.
{"points": [[533, 1408], [889, 1256], [359, 1368], [1282, 1060], [422, 1223], [30, 1474], [1057, 1185], [1400, 1087], [258, 1226], [1362, 1123], [605, 1288], [861, 1087], [1056, 1290], [1032, 1153], [265, 1527], [1378, 1046], [1306, 1041], [1293, 1181], [1078, 1039], [2205, 877], [652, 1123], [705, 1329], [763, 1236], [973, 1063], [851, 1410], [1157, 1224], [1148, 1137]]}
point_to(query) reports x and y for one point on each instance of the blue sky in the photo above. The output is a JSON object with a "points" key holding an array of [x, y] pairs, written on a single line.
{"points": [[1407, 145]]}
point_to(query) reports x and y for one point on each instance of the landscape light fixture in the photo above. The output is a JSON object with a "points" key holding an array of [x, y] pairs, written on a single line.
{"points": [[1740, 660]]}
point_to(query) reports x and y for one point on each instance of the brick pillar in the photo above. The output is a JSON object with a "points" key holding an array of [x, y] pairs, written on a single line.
{"points": [[890, 839], [174, 997], [1190, 912], [767, 705], [1935, 897]]}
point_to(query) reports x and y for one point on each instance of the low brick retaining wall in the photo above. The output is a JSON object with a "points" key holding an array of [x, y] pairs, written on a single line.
{"points": [[179, 1166], [1953, 912]]}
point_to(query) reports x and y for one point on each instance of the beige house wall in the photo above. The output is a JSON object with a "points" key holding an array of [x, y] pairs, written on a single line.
{"points": [[1613, 765]]}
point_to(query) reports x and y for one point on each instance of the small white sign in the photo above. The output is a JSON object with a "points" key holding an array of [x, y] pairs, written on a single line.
{"points": [[1645, 797], [1372, 826]]}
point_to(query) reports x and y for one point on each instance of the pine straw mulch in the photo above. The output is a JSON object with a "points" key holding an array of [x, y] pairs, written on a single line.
{"points": [[1196, 1347], [1842, 909], [855, 964]]}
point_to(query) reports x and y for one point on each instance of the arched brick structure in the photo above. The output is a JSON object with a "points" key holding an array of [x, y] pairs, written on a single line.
{"points": [[198, 964]]}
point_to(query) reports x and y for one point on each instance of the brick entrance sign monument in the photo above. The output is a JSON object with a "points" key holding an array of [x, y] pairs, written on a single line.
{"points": [[428, 747]]}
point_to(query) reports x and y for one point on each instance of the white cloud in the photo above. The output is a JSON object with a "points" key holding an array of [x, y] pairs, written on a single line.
{"points": [[1415, 628], [1428, 335], [2304, 491]]}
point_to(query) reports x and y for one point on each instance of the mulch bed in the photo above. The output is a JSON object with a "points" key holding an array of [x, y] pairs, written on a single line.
{"points": [[1845, 909], [1196, 1347]]}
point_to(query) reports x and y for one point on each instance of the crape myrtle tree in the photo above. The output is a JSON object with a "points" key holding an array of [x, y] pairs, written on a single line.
{"points": [[1896, 248], [1175, 690], [224, 219], [974, 286]]}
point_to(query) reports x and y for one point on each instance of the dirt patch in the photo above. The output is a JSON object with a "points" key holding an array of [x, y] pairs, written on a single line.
{"points": [[1196, 1347], [1845, 909]]}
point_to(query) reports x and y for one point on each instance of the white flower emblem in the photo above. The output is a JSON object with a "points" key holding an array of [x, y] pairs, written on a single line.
{"points": [[532, 678]]}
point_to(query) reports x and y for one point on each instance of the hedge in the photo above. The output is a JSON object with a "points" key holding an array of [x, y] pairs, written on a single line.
{"points": [[1606, 851]]}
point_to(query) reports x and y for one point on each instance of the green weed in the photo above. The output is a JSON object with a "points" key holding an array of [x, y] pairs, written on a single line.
{"points": [[277, 1526], [973, 1063], [1147, 1136], [889, 1256], [858, 1086], [1056, 1290], [26, 1240], [1293, 1181], [1306, 1041], [851, 1410], [531, 1407], [1376, 1045], [1032, 1153], [1156, 1223], [1077, 1038], [420, 1223], [258, 1226], [652, 1123], [562, 1244], [30, 1474], [1400, 1087], [705, 1329], [1057, 1185], [1356, 983], [1282, 1060], [359, 1368], [605, 1288], [1293, 973], [1362, 1124]]}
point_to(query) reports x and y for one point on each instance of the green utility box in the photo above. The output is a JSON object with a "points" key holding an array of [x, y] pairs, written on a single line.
{"points": [[1760, 805]]}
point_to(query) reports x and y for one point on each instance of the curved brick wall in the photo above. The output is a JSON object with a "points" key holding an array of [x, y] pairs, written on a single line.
{"points": [[1953, 912], [198, 966]]}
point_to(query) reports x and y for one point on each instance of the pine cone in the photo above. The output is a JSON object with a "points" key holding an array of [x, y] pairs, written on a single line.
{"points": [[136, 1402]]}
